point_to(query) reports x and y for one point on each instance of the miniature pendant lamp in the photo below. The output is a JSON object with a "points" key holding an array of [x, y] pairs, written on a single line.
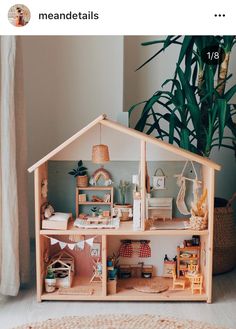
{"points": [[100, 152]]}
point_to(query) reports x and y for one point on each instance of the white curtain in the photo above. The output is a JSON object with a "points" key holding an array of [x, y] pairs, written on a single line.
{"points": [[14, 243]]}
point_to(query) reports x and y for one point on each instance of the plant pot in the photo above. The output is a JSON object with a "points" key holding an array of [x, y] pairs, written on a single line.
{"points": [[123, 211], [111, 287], [82, 181], [50, 285]]}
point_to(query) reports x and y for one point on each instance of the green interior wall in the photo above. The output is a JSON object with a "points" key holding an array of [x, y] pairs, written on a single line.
{"points": [[61, 187]]}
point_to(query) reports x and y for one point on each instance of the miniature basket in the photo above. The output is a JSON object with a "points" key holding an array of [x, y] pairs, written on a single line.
{"points": [[198, 223], [224, 251]]}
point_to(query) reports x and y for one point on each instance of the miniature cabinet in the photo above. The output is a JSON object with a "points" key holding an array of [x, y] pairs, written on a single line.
{"points": [[187, 256], [121, 141], [159, 208]]}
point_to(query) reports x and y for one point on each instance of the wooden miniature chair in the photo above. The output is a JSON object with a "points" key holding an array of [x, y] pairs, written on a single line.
{"points": [[196, 283], [178, 283], [193, 267]]}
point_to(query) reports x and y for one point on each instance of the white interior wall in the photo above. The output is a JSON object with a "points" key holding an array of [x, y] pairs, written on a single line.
{"points": [[121, 147]]}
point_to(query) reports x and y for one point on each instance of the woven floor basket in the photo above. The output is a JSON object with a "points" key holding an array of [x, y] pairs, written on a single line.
{"points": [[224, 258]]}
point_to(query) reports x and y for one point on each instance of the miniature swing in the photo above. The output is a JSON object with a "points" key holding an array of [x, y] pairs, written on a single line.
{"points": [[181, 182]]}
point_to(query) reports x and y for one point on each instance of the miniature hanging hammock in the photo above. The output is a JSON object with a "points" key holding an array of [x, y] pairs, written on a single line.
{"points": [[181, 182]]}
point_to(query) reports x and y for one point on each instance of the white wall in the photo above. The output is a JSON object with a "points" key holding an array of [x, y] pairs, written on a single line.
{"points": [[68, 82]]}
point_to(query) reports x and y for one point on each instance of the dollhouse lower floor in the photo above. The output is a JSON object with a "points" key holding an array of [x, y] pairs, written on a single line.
{"points": [[132, 287]]}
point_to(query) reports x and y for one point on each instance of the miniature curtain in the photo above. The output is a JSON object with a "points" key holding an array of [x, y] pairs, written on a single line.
{"points": [[14, 242]]}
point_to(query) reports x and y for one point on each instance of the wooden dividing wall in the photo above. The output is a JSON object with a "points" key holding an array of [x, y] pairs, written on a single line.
{"points": [[209, 182], [41, 242]]}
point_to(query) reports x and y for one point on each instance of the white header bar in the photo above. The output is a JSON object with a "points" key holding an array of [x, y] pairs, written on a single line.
{"points": [[130, 17]]}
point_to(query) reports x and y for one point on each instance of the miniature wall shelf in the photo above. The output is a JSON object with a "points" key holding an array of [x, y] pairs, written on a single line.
{"points": [[98, 290], [93, 189]]}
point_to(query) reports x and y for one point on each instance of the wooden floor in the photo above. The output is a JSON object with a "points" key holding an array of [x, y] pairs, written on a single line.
{"points": [[82, 289], [25, 309]]}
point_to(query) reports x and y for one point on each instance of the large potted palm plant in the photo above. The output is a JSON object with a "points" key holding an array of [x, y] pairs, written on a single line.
{"points": [[194, 110], [194, 105]]}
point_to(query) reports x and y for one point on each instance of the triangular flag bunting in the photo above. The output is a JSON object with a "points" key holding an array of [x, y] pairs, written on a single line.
{"points": [[80, 245], [53, 241], [90, 242], [71, 245], [62, 244]]}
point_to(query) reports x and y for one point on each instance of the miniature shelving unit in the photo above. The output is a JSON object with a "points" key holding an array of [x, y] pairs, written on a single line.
{"points": [[103, 189], [185, 256], [107, 236]]}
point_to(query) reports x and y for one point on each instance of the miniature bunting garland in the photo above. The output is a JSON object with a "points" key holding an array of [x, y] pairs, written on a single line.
{"points": [[80, 245]]}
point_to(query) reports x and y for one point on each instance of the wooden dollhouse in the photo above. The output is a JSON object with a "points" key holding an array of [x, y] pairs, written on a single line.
{"points": [[131, 152]]}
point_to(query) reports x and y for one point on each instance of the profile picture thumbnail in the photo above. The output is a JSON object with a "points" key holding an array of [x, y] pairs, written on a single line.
{"points": [[19, 15]]}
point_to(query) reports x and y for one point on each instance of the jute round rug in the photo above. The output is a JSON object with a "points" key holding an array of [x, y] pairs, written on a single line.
{"points": [[119, 321]]}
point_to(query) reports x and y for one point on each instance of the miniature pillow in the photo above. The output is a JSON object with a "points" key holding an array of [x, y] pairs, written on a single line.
{"points": [[49, 211]]}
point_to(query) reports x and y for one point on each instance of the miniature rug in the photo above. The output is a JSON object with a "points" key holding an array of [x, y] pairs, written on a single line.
{"points": [[118, 321]]}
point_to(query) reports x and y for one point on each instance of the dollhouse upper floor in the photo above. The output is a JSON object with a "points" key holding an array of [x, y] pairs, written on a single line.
{"points": [[131, 153]]}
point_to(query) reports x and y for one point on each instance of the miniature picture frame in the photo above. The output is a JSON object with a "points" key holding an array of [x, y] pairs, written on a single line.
{"points": [[158, 181], [95, 250]]}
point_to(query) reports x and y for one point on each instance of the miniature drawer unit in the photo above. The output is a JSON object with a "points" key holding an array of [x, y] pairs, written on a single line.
{"points": [[159, 208]]}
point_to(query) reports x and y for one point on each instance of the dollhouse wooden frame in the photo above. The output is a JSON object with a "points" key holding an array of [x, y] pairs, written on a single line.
{"points": [[40, 170]]}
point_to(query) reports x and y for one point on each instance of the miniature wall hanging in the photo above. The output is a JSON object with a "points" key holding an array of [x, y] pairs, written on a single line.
{"points": [[158, 180], [44, 188], [101, 173]]}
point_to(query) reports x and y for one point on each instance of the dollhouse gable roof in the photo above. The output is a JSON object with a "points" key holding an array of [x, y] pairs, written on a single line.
{"points": [[102, 119]]}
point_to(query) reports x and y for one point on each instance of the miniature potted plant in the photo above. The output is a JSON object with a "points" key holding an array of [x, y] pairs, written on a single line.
{"points": [[94, 211], [123, 209], [50, 280], [80, 173], [198, 219]]}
